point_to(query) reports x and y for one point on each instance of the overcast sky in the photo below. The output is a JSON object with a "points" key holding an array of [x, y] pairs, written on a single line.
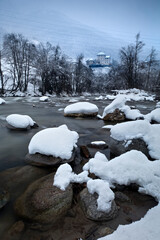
{"points": [[120, 18]]}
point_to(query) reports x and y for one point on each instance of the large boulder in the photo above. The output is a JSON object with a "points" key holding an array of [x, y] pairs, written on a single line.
{"points": [[89, 206], [81, 109], [44, 203], [23, 176]]}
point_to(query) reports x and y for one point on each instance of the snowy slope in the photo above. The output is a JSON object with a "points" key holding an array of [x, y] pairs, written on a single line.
{"points": [[48, 25]]}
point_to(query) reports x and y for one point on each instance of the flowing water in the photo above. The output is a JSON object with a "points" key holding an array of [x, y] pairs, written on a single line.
{"points": [[14, 147]]}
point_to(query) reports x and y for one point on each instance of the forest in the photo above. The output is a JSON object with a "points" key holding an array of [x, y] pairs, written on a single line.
{"points": [[46, 66]]}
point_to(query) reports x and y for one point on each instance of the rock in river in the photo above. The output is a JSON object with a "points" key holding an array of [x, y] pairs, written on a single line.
{"points": [[89, 206], [81, 109], [115, 116], [20, 122], [44, 203], [52, 146]]}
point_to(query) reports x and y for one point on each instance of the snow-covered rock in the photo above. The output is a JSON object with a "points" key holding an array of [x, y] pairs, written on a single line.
{"points": [[2, 101], [81, 109], [18, 121], [117, 110], [105, 194], [98, 144], [153, 116], [130, 167], [58, 142], [44, 99], [139, 129], [106, 209]]}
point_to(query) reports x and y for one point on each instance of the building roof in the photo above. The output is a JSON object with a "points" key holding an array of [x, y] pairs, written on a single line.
{"points": [[101, 54]]}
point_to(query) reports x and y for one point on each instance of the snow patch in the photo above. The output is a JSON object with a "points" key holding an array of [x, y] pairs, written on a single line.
{"points": [[57, 142], [147, 228], [132, 94]]}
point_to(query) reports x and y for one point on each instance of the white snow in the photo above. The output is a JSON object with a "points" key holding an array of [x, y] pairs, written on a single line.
{"points": [[81, 107], [2, 101], [127, 143], [132, 94], [154, 115], [130, 167], [64, 176], [98, 143], [19, 121], [139, 129], [57, 142], [105, 194], [107, 126], [158, 105], [119, 103], [145, 229], [60, 109], [44, 99], [99, 98]]}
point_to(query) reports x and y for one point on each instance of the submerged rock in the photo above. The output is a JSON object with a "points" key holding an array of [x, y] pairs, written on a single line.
{"points": [[89, 207], [98, 232], [15, 232], [98, 145], [44, 203], [4, 197], [16, 179]]}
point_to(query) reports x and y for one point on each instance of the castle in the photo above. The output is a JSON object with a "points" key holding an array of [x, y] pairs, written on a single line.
{"points": [[101, 61]]}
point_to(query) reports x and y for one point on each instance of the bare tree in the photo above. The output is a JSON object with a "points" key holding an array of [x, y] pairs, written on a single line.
{"points": [[137, 49], [151, 62], [130, 62], [127, 64]]}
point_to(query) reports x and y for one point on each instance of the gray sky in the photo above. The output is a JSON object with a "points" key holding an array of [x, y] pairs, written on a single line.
{"points": [[120, 18]]}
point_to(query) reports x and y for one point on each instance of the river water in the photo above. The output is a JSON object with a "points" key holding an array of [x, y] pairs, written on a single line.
{"points": [[14, 147], [14, 144]]}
